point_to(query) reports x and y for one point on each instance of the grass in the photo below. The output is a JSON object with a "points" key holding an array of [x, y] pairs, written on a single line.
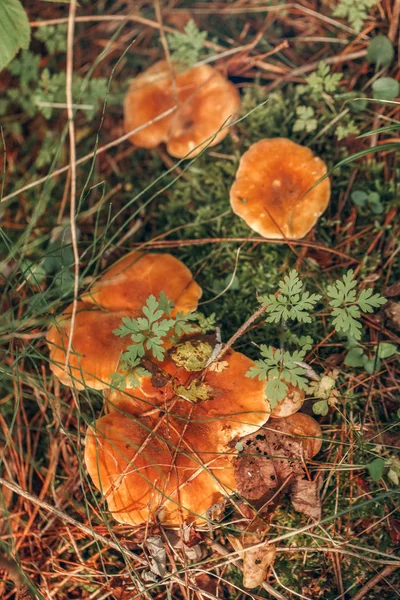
{"points": [[131, 198]]}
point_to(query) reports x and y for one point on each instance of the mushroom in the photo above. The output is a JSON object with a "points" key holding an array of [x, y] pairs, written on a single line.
{"points": [[95, 350], [128, 283], [272, 190], [292, 402], [205, 102], [303, 428], [121, 292], [172, 463]]}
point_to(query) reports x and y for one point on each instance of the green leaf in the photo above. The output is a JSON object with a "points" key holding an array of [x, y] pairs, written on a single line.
{"points": [[368, 301], [275, 391], [15, 31], [355, 358], [292, 303], [186, 48], [165, 304], [321, 408], [355, 11], [372, 365], [375, 468], [386, 88], [380, 51], [305, 119], [359, 198], [386, 350], [347, 308], [206, 324]]}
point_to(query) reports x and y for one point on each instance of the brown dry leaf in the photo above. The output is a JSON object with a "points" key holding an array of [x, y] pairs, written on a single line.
{"points": [[255, 564], [305, 497], [256, 558], [269, 460], [392, 291], [394, 530]]}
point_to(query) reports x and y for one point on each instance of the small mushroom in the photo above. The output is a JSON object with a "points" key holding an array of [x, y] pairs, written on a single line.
{"points": [[303, 428], [174, 463], [290, 404], [205, 102], [121, 292], [272, 191]]}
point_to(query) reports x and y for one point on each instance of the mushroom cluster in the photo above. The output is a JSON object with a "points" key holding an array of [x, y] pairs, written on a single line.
{"points": [[163, 450], [205, 102]]}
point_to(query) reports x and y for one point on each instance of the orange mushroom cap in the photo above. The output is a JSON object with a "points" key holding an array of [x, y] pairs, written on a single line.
{"points": [[146, 472], [270, 190], [184, 467], [95, 352], [130, 281], [235, 402], [302, 427], [205, 102], [121, 292]]}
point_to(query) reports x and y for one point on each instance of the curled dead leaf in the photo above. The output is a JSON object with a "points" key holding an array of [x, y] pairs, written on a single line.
{"points": [[305, 498]]}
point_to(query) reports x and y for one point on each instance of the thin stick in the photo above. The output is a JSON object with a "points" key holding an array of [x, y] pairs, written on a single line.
{"points": [[394, 22], [372, 582], [72, 158]]}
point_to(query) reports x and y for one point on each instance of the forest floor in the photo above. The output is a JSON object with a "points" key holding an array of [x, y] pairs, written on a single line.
{"points": [[129, 198]]}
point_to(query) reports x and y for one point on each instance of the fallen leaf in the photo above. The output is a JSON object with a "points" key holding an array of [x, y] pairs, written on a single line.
{"points": [[268, 461], [256, 477], [394, 530], [255, 564], [392, 291], [219, 366], [305, 498], [158, 555]]}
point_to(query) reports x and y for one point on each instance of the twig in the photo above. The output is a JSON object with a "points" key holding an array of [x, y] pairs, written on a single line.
{"points": [[242, 329], [72, 158], [372, 582], [394, 21]]}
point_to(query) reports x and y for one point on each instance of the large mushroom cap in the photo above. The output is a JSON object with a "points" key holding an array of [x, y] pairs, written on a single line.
{"points": [[270, 190], [234, 402], [121, 292], [150, 470], [206, 101], [130, 281], [200, 469]]}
